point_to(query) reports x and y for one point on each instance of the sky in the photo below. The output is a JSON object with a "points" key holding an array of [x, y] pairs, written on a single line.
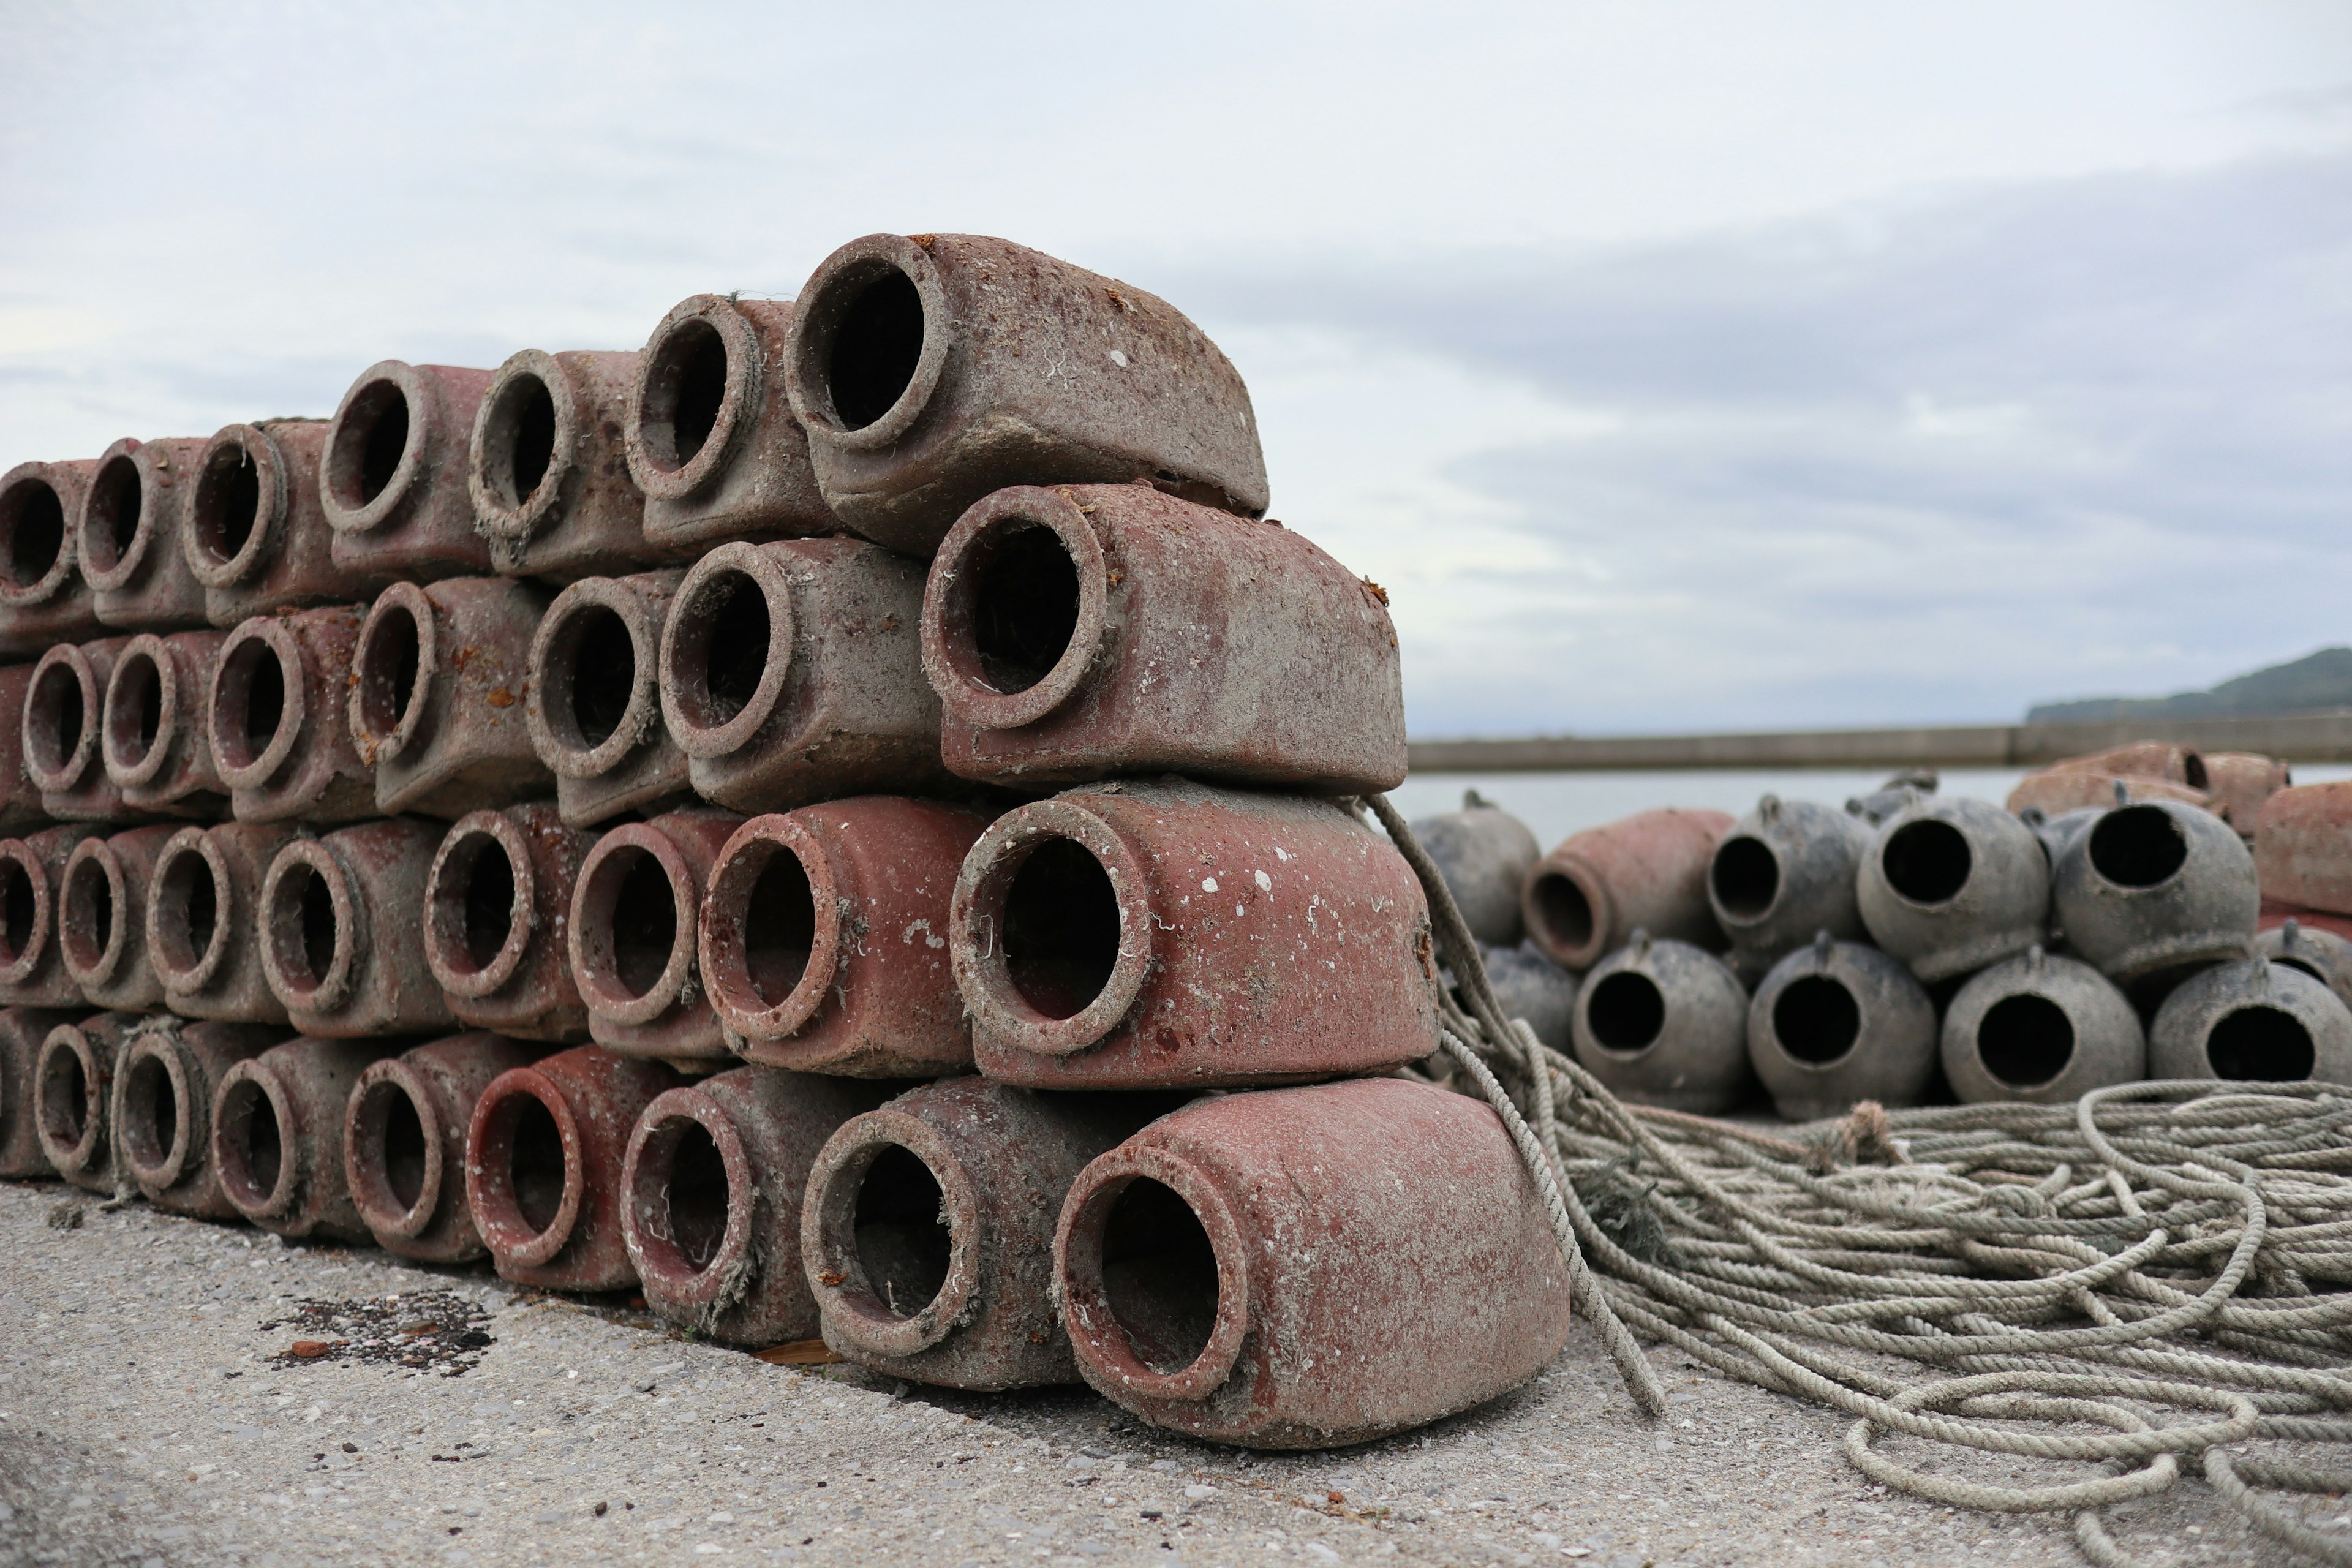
{"points": [[1674, 366]]}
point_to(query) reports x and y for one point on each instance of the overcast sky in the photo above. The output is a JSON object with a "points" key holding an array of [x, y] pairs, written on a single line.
{"points": [[1674, 366]]}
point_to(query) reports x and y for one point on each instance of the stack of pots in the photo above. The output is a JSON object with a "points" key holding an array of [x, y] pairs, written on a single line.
{"points": [[842, 821], [1913, 945]]}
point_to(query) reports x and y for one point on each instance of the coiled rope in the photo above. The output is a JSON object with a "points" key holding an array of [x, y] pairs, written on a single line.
{"points": [[2166, 1261]]}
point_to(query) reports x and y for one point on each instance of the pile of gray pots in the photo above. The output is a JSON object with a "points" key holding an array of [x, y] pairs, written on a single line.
{"points": [[1906, 948]]}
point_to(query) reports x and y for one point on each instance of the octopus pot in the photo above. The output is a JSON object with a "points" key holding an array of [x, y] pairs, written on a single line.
{"points": [[2325, 956], [2252, 1021], [549, 468], [1307, 1267], [341, 945], [278, 716], [1897, 792], [61, 733], [2056, 833], [1077, 632], [1786, 872], [497, 901], [2276, 913], [2302, 846], [392, 480], [33, 972], [592, 698], [437, 695], [20, 797], [1484, 854], [711, 437], [277, 1136], [164, 1086], [2154, 887], [2041, 1029], [2058, 791], [150, 731], [43, 598], [1166, 935], [929, 1227], [824, 938], [792, 672], [23, 1032], [1836, 1023], [203, 913], [1647, 871], [2242, 783], [715, 1177], [256, 534], [1952, 885], [73, 1098], [1664, 1022], [632, 941], [127, 535], [2142, 760], [1534, 989], [933, 370], [404, 1132], [102, 918], [544, 1157]]}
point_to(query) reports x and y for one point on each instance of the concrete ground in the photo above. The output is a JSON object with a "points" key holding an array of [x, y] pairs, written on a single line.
{"points": [[148, 1417]]}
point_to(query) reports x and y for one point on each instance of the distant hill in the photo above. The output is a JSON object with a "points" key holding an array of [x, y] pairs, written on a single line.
{"points": [[2314, 683]]}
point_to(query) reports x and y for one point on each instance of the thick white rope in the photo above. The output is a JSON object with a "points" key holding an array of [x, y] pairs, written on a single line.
{"points": [[2158, 1270]]}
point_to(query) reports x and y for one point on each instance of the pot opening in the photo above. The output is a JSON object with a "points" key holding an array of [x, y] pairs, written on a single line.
{"points": [[115, 494], [134, 709], [1627, 1012], [227, 504], [1927, 861], [1160, 1276], [875, 350], [369, 443], [86, 914], [779, 927], [722, 647], [35, 521], [1061, 927], [523, 433], [1745, 876], [482, 905], [2025, 1041], [251, 1148], [1024, 606], [644, 919], [902, 1232], [150, 1114], [535, 1161], [2260, 1045], [187, 910], [603, 657], [388, 668], [2137, 846], [303, 928], [53, 717], [19, 910], [64, 1098], [684, 391], [252, 693], [1563, 912], [699, 1196], [394, 1133], [1817, 1020]]}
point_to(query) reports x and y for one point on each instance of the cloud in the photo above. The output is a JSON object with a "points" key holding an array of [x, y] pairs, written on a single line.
{"points": [[1911, 463]]}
